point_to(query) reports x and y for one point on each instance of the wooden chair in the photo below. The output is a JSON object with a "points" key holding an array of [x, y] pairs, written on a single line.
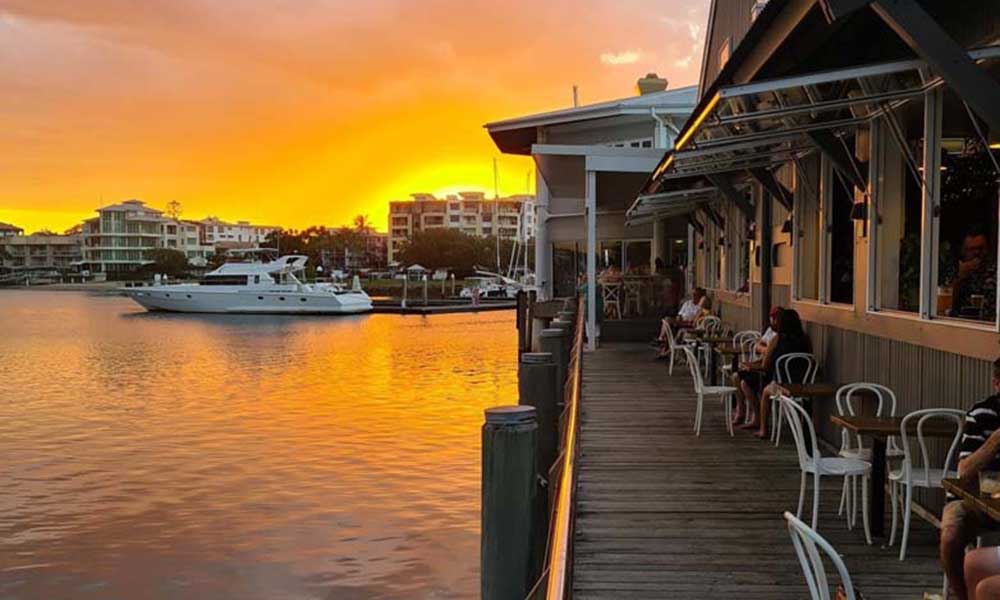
{"points": [[611, 296]]}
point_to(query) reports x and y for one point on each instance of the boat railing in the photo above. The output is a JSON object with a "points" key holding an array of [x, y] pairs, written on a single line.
{"points": [[556, 580]]}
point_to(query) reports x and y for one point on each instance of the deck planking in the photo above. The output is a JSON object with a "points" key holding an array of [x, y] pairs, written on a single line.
{"points": [[664, 514]]}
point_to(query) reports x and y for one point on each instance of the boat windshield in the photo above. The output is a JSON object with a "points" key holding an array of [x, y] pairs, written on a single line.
{"points": [[224, 280]]}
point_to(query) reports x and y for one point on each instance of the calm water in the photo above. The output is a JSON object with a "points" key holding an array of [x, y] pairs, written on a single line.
{"points": [[171, 456]]}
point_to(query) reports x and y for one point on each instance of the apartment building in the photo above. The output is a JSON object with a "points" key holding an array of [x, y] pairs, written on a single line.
{"points": [[40, 251], [472, 213], [118, 240], [8, 230], [239, 235]]}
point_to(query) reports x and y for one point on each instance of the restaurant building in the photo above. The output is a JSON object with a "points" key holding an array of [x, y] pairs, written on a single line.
{"points": [[842, 161], [589, 162]]}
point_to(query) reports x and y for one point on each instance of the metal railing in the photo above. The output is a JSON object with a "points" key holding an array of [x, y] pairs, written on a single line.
{"points": [[557, 574]]}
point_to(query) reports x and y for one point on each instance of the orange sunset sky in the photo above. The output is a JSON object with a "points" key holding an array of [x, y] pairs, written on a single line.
{"points": [[300, 112]]}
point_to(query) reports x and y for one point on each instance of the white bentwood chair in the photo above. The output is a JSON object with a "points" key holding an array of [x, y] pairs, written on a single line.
{"points": [[745, 341], [912, 474], [806, 541], [783, 374], [675, 347], [712, 326], [815, 463], [725, 393], [854, 448]]}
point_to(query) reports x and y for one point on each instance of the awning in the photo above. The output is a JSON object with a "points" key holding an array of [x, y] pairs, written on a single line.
{"points": [[682, 201], [765, 123]]}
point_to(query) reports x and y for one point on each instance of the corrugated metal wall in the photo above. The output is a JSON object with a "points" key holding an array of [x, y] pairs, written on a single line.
{"points": [[920, 377]]}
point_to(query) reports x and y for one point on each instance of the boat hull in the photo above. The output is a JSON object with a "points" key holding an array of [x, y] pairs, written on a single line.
{"points": [[192, 300]]}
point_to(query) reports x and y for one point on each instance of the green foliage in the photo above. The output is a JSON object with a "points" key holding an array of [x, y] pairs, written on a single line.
{"points": [[166, 261], [323, 245], [457, 251]]}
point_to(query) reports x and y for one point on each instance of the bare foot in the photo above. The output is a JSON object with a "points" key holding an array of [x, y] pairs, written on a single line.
{"points": [[762, 435], [750, 425]]}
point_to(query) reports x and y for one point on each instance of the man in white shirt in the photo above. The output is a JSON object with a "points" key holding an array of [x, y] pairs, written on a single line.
{"points": [[686, 316]]}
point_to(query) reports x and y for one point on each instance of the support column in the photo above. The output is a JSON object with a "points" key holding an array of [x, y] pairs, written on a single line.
{"points": [[659, 250], [591, 209], [766, 252], [543, 249]]}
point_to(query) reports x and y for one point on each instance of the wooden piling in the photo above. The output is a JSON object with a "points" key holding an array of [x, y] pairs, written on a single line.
{"points": [[509, 490], [553, 341], [536, 378]]}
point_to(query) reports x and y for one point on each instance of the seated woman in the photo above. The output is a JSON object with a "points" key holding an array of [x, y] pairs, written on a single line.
{"points": [[982, 573], [756, 379]]}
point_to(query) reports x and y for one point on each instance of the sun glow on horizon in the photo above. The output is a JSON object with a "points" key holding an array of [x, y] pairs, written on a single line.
{"points": [[311, 117]]}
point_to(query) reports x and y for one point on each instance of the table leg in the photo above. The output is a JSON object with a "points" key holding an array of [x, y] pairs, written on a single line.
{"points": [[876, 506]]}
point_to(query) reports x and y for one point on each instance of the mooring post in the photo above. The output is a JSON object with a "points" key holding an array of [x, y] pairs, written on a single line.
{"points": [[509, 490], [425, 290], [553, 342], [406, 285], [536, 378], [521, 319]]}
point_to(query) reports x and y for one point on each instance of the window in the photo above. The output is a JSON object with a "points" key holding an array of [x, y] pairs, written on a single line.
{"points": [[841, 237], [638, 254], [898, 149], [967, 216], [809, 225], [566, 267], [609, 254], [455, 218]]}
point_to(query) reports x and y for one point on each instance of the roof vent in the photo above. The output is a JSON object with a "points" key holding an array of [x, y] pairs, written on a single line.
{"points": [[651, 83]]}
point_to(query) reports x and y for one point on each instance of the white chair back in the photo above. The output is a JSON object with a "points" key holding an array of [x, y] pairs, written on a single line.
{"points": [[807, 544], [699, 382], [746, 341], [671, 337], [796, 416], [711, 324], [783, 368], [885, 406], [911, 469]]}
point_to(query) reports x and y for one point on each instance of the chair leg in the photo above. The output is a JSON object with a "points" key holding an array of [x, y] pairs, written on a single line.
{"points": [[864, 509], [850, 500], [894, 498], [854, 501], [729, 413], [670, 371], [843, 499], [815, 521], [906, 523], [697, 415], [780, 421], [802, 495]]}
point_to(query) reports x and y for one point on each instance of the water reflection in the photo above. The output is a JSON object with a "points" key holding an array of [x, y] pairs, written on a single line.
{"points": [[174, 456]]}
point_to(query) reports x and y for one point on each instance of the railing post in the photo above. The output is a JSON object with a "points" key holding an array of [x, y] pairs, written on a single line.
{"points": [[509, 490], [553, 341], [536, 377]]}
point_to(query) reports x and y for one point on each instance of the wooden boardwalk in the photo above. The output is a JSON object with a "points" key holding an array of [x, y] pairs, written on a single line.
{"points": [[664, 514]]}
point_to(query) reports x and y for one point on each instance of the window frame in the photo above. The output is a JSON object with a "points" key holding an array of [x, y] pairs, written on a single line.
{"points": [[825, 233], [933, 121]]}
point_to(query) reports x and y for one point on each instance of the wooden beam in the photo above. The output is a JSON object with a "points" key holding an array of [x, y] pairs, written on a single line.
{"points": [[835, 10], [713, 216], [732, 194], [773, 186], [842, 160], [696, 224], [944, 55]]}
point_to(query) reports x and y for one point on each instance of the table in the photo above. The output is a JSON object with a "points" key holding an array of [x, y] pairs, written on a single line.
{"points": [[713, 341], [881, 429], [970, 495]]}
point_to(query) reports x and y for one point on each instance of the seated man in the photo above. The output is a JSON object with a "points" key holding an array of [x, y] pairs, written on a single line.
{"points": [[980, 451], [687, 316]]}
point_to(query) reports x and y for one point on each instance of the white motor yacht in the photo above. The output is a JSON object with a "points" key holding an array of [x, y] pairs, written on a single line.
{"points": [[254, 288]]}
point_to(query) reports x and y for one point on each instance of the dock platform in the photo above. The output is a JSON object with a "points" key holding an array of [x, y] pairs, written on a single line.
{"points": [[664, 514]]}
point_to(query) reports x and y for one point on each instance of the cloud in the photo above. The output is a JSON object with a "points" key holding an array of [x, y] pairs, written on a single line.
{"points": [[626, 57]]}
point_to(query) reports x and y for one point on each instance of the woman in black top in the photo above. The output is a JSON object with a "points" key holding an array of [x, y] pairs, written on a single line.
{"points": [[791, 338]]}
